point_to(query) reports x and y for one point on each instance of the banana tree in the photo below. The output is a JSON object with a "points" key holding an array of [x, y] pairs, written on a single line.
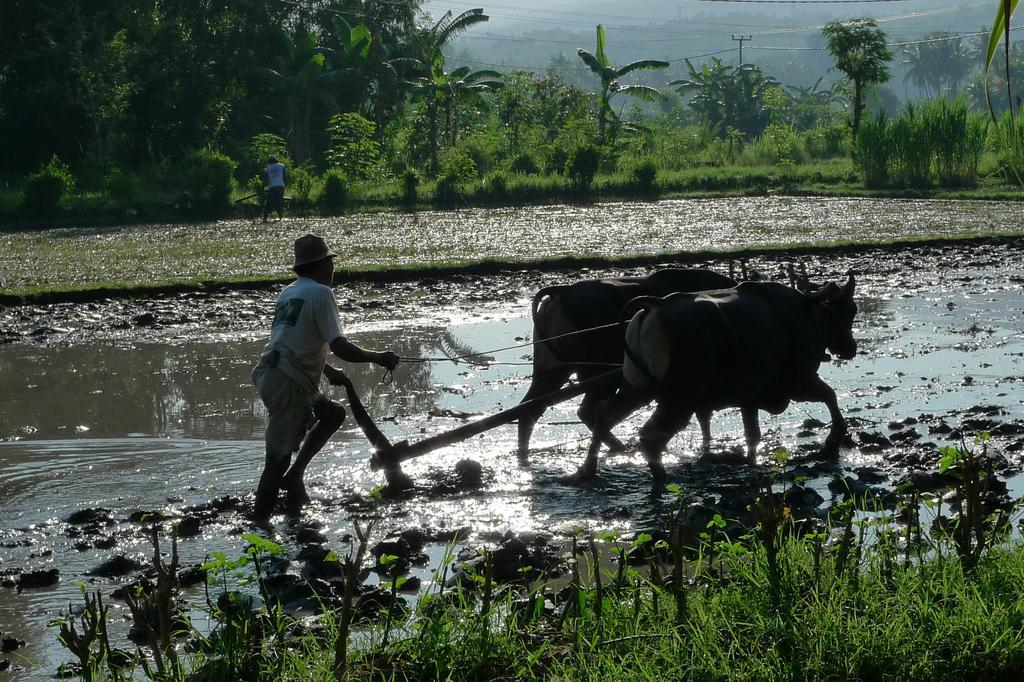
{"points": [[1008, 133], [609, 74], [728, 97], [302, 76], [373, 81]]}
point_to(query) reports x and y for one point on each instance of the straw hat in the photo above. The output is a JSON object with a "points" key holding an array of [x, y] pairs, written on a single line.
{"points": [[310, 248]]}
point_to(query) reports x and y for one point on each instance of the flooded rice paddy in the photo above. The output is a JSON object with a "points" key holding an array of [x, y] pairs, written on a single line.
{"points": [[244, 248], [123, 407]]}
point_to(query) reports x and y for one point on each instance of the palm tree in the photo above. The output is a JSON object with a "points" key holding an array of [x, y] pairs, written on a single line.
{"points": [[443, 91], [466, 85], [941, 64], [610, 86], [922, 68]]}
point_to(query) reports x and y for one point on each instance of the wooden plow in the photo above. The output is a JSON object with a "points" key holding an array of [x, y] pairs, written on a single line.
{"points": [[389, 457]]}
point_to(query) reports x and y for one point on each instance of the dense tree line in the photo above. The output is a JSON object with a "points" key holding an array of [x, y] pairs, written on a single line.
{"points": [[144, 80], [193, 95]]}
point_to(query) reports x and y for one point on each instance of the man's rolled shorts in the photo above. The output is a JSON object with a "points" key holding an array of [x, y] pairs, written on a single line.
{"points": [[275, 198], [289, 409]]}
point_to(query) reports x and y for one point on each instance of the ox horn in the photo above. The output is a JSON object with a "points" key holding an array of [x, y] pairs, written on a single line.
{"points": [[825, 293], [850, 284]]}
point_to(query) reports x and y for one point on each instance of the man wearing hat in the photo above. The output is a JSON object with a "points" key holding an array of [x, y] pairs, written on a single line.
{"points": [[287, 377]]}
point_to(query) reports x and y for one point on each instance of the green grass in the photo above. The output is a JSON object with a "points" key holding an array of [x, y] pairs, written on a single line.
{"points": [[833, 177], [871, 595]]}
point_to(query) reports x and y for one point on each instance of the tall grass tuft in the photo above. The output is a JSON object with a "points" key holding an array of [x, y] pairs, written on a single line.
{"points": [[911, 145], [958, 138], [934, 139], [872, 150], [1008, 136]]}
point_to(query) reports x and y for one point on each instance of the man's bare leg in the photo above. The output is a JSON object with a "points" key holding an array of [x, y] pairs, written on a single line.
{"points": [[329, 418]]}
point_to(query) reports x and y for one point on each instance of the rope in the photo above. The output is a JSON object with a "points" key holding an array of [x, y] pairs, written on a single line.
{"points": [[456, 358]]}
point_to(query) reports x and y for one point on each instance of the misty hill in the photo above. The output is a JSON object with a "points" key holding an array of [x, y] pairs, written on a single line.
{"points": [[785, 39]]}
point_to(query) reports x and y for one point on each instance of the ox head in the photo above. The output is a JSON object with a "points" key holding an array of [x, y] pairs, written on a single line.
{"points": [[834, 311]]}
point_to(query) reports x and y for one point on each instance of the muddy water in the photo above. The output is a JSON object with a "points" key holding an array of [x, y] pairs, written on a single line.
{"points": [[164, 418]]}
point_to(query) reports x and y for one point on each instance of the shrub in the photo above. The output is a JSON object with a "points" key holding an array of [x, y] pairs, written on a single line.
{"points": [[582, 166], [526, 165], [208, 179], [410, 186], [826, 142], [303, 186], [353, 147], [260, 148], [497, 186], [872, 150], [556, 159], [457, 168], [483, 149], [47, 187], [457, 165], [643, 174], [337, 193], [782, 143], [121, 187], [447, 190]]}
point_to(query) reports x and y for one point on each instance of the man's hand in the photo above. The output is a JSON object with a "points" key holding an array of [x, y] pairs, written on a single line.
{"points": [[336, 377], [388, 360]]}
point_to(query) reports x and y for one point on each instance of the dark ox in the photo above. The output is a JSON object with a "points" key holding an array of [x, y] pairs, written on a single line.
{"points": [[565, 309], [755, 346]]}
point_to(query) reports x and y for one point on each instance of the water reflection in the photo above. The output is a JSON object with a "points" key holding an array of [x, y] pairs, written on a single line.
{"points": [[198, 390]]}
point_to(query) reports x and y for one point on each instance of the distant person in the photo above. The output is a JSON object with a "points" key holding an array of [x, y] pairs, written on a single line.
{"points": [[275, 174], [287, 376]]}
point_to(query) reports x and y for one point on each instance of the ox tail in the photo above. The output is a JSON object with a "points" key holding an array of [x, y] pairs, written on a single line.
{"points": [[546, 292], [539, 332], [638, 304]]}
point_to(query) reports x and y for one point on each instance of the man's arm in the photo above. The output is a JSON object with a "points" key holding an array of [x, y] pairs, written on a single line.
{"points": [[350, 352]]}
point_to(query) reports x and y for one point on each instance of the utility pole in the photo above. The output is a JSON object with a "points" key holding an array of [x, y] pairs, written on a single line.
{"points": [[742, 39]]}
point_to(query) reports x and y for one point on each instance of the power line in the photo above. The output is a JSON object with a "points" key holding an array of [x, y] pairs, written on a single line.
{"points": [[526, 67], [804, 2], [903, 43], [776, 48], [742, 39]]}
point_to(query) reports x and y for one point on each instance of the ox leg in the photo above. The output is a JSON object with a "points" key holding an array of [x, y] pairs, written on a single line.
{"points": [[544, 382], [608, 413], [666, 422], [752, 430], [587, 413], [704, 419], [818, 391]]}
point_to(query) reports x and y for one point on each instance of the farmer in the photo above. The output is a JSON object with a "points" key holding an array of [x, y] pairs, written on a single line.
{"points": [[287, 377], [275, 174]]}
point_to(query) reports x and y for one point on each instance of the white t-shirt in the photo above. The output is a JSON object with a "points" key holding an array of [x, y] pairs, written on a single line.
{"points": [[275, 174], [305, 323]]}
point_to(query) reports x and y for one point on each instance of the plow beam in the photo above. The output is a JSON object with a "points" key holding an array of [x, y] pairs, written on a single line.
{"points": [[389, 458]]}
